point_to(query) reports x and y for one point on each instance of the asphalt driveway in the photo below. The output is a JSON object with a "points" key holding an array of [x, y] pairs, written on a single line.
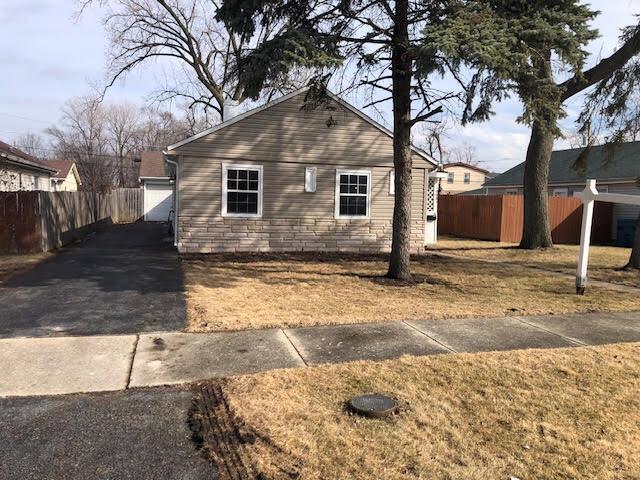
{"points": [[126, 279], [134, 434]]}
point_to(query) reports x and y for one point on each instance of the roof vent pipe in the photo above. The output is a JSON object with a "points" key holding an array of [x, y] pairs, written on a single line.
{"points": [[230, 109]]}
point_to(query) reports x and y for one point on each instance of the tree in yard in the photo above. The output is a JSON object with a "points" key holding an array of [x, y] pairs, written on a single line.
{"points": [[200, 52], [522, 46], [379, 44], [614, 108]]}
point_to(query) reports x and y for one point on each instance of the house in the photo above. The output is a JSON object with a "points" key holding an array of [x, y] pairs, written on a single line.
{"points": [[463, 177], [66, 178], [156, 178], [616, 170], [294, 175], [21, 171]]}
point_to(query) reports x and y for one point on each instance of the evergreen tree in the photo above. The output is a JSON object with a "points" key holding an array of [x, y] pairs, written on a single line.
{"points": [[518, 46], [383, 43], [614, 107]]}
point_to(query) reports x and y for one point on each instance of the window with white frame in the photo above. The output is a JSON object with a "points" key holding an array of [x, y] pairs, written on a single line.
{"points": [[511, 191], [450, 177], [242, 190], [353, 193], [560, 192], [467, 178]]}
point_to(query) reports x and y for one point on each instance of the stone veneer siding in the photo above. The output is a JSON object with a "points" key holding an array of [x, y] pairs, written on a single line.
{"points": [[290, 235]]}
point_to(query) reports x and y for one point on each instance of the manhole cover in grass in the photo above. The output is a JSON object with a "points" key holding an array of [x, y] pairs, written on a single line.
{"points": [[373, 405]]}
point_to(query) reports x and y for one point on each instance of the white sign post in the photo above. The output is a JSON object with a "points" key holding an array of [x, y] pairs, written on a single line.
{"points": [[589, 196]]}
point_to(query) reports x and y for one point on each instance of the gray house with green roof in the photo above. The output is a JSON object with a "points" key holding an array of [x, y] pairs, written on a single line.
{"points": [[616, 171]]}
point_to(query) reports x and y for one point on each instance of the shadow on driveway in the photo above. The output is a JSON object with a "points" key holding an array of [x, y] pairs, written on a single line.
{"points": [[126, 279]]}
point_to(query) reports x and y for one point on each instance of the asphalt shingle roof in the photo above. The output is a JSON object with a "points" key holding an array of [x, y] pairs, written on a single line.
{"points": [[152, 164], [623, 162]]}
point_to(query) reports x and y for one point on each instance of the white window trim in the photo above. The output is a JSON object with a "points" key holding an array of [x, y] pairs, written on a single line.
{"points": [[511, 191], [234, 166], [337, 194], [564, 190], [467, 178]]}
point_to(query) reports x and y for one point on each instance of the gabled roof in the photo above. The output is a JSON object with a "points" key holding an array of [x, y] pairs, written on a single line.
{"points": [[152, 165], [621, 163], [300, 91], [466, 165], [63, 167], [18, 157]]}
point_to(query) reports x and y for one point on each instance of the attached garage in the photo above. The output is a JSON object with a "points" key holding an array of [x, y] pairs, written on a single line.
{"points": [[157, 183]]}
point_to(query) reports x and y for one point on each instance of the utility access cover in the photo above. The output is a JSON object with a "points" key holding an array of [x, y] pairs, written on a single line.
{"points": [[373, 405]]}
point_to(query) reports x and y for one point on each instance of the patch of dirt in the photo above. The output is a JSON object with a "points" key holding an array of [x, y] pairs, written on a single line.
{"points": [[215, 431]]}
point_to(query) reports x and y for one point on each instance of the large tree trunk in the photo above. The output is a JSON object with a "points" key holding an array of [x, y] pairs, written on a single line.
{"points": [[536, 232], [634, 260], [400, 259]]}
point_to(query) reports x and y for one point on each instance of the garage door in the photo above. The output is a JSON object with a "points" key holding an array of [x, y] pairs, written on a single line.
{"points": [[158, 202]]}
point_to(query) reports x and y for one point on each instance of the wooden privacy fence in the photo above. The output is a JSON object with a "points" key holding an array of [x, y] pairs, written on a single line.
{"points": [[43, 221], [501, 218]]}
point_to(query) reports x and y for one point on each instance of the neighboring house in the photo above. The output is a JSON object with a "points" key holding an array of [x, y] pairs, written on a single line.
{"points": [[615, 172], [462, 178], [66, 178], [21, 171], [289, 177], [156, 177]]}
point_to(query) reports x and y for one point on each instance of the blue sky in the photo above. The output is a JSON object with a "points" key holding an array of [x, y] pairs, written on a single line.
{"points": [[49, 57]]}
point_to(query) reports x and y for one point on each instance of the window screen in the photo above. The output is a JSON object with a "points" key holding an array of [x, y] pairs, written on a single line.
{"points": [[243, 191], [353, 194]]}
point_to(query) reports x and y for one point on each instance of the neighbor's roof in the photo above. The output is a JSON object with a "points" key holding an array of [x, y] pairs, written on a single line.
{"points": [[621, 163], [152, 164], [23, 159], [465, 165], [62, 166], [331, 95]]}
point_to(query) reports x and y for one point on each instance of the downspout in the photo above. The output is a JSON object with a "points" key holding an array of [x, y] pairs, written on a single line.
{"points": [[176, 201]]}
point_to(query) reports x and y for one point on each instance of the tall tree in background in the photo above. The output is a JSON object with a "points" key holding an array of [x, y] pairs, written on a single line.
{"points": [[200, 52], [122, 125], [613, 107], [106, 139], [379, 43], [32, 143], [524, 45]]}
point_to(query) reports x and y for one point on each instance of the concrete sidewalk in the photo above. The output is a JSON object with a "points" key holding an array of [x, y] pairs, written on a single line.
{"points": [[42, 366]]}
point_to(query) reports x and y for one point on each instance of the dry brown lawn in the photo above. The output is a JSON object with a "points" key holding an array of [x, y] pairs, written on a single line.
{"points": [[242, 292], [537, 414], [13, 264], [603, 261]]}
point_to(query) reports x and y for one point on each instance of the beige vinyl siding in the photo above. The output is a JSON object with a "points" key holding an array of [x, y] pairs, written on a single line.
{"points": [[458, 186], [286, 132], [283, 187], [284, 140]]}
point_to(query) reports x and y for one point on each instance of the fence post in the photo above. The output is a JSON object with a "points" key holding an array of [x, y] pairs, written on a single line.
{"points": [[588, 196]]}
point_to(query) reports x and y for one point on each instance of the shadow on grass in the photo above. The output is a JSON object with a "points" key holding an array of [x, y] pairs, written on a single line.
{"points": [[310, 268]]}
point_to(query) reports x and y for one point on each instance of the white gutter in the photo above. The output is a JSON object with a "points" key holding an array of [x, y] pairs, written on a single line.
{"points": [[176, 202]]}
